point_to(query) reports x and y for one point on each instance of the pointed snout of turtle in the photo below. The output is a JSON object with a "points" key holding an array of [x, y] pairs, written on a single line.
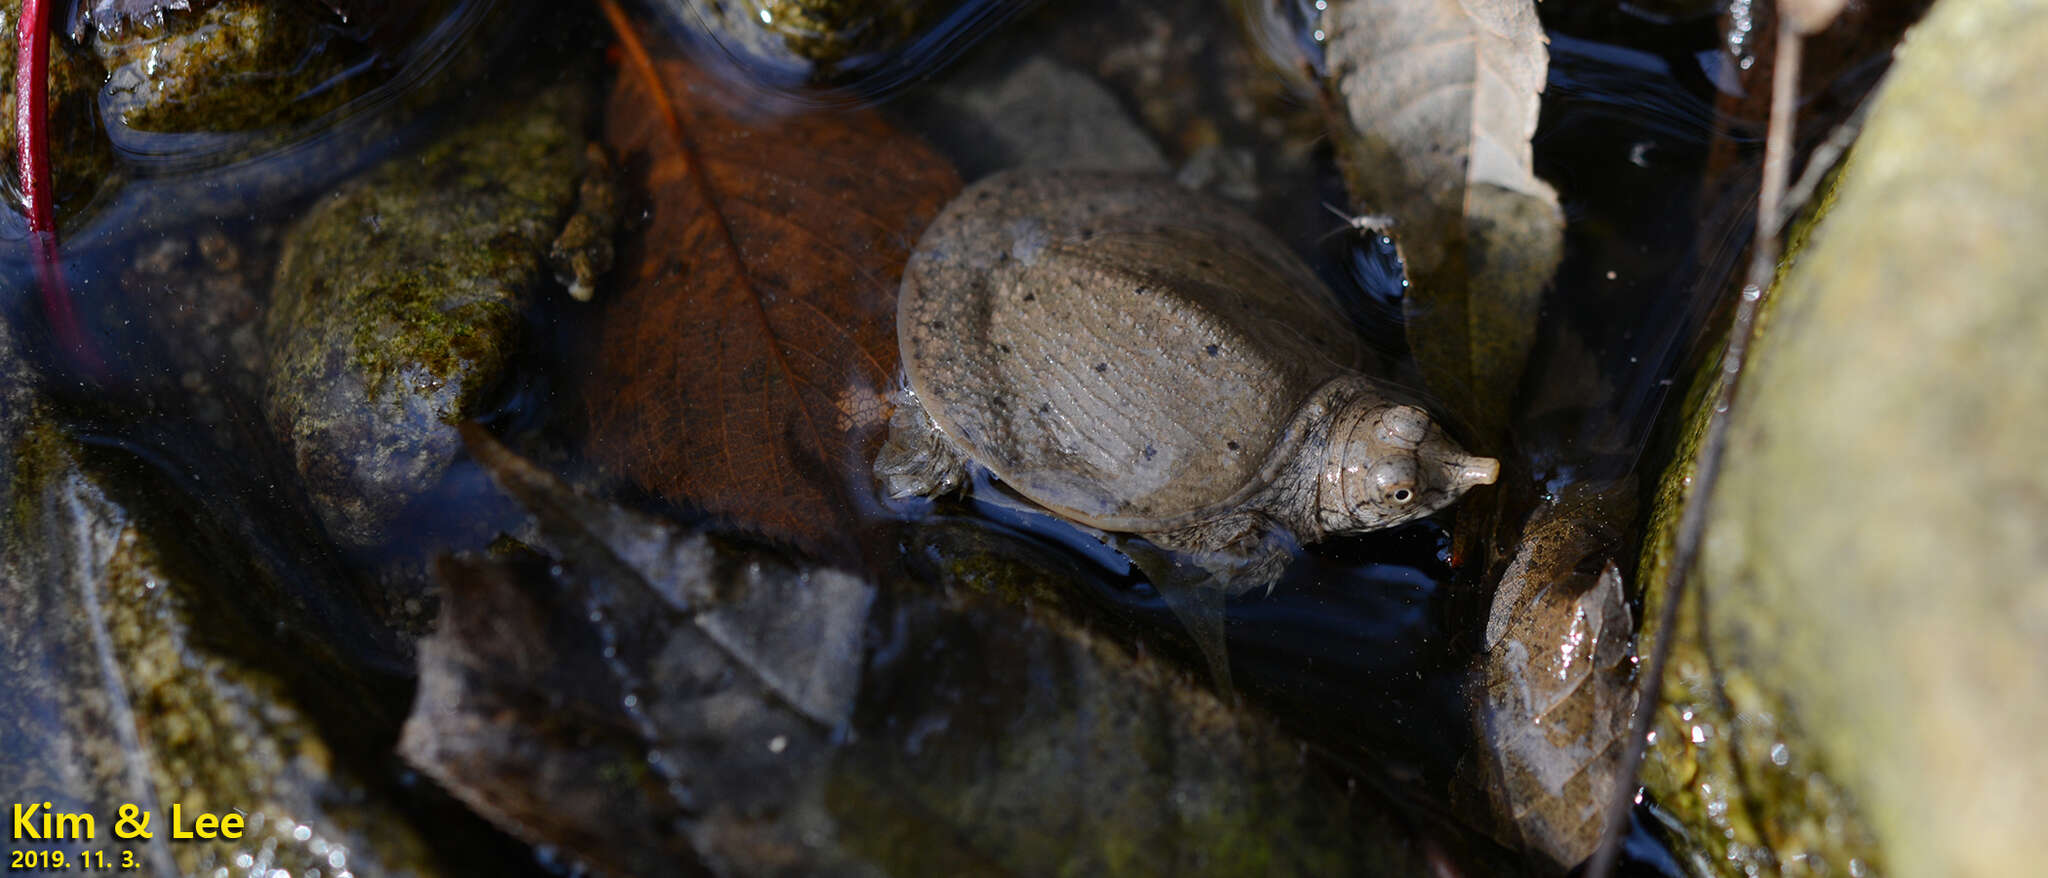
{"points": [[1468, 471], [1459, 471]]}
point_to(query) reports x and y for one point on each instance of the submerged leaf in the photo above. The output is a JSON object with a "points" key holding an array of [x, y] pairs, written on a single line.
{"points": [[744, 365], [656, 701], [1555, 697], [1437, 101]]}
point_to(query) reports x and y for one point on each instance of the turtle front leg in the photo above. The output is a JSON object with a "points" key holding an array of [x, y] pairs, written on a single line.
{"points": [[1194, 568], [917, 459], [1242, 551]]}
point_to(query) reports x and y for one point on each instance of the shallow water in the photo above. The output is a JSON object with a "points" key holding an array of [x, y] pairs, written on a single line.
{"points": [[1362, 650]]}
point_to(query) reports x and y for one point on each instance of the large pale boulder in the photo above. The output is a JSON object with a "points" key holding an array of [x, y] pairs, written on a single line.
{"points": [[1871, 679]]}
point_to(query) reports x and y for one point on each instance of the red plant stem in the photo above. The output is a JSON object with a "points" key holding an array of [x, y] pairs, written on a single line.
{"points": [[32, 151]]}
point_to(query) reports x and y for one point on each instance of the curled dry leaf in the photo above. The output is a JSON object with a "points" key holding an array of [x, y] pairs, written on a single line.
{"points": [[745, 363], [1435, 103]]}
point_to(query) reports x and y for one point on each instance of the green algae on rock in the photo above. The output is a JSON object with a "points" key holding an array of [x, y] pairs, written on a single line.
{"points": [[1721, 765], [233, 66], [81, 161], [176, 87], [397, 303], [1860, 677]]}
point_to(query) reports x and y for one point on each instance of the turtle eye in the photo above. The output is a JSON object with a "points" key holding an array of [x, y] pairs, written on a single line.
{"points": [[1394, 483]]}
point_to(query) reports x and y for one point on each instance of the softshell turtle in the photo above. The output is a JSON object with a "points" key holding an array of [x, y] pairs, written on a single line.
{"points": [[1143, 359]]}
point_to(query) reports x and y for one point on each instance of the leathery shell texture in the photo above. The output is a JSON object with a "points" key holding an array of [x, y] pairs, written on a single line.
{"points": [[1118, 348]]}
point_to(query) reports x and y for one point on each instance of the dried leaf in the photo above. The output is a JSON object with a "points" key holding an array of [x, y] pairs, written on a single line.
{"points": [[744, 365], [1437, 101]]}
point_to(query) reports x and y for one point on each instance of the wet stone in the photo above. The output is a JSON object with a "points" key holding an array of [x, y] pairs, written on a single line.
{"points": [[1038, 114], [870, 44], [1859, 676], [82, 164], [125, 685], [231, 66], [397, 303]]}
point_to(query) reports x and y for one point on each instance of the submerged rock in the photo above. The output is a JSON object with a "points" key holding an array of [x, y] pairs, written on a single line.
{"points": [[873, 44], [227, 66], [1183, 73], [134, 676], [81, 160], [1861, 674], [397, 303], [173, 86], [1037, 114]]}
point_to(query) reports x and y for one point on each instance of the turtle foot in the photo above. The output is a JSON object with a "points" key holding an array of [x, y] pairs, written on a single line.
{"points": [[1195, 594], [917, 460]]}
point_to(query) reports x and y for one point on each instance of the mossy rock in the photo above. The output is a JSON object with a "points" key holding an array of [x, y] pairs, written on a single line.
{"points": [[174, 87], [236, 65], [1867, 682], [120, 689], [82, 161], [398, 299], [797, 43]]}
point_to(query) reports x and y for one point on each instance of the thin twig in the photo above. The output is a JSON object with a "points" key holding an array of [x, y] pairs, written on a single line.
{"points": [[32, 164], [1692, 525], [1824, 158]]}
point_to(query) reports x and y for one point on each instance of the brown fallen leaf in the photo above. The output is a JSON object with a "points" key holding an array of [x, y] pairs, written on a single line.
{"points": [[1554, 696], [744, 364], [1435, 102]]}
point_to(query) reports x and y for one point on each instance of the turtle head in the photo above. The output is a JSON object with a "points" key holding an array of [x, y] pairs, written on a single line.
{"points": [[1389, 463]]}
